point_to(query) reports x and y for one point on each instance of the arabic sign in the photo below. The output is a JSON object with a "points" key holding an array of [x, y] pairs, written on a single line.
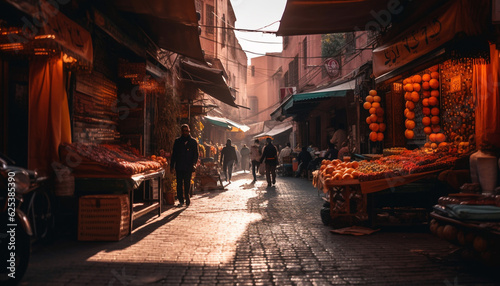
{"points": [[423, 38], [332, 67]]}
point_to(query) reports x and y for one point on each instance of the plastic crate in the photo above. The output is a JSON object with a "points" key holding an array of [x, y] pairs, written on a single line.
{"points": [[103, 217]]}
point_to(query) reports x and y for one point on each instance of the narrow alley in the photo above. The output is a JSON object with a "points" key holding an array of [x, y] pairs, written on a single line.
{"points": [[251, 235]]}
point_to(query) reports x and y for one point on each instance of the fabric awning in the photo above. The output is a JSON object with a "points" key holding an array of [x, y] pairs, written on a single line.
{"points": [[303, 17], [171, 24], [276, 130], [226, 123], [209, 80], [334, 91]]}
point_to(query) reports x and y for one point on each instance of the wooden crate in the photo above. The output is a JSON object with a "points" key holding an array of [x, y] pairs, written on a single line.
{"points": [[103, 217]]}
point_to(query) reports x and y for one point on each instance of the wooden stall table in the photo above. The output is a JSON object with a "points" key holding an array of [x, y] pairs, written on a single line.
{"points": [[348, 198], [90, 181]]}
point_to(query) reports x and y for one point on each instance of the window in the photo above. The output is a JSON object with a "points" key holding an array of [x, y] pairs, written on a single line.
{"points": [[350, 43], [209, 19], [293, 72], [285, 42], [286, 79], [253, 104], [253, 70], [304, 49], [223, 37]]}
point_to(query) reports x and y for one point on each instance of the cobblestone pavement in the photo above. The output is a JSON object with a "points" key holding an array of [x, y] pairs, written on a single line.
{"points": [[251, 235]]}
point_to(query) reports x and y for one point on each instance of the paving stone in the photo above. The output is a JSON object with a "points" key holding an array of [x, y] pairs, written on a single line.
{"points": [[250, 235]]}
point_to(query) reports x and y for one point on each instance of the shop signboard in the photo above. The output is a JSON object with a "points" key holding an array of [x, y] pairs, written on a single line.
{"points": [[433, 32]]}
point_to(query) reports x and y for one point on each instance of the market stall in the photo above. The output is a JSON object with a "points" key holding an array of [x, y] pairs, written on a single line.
{"points": [[348, 184], [207, 176], [113, 169]]}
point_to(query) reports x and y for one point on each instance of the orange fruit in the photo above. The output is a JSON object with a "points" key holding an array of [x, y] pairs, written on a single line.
{"points": [[435, 120], [435, 111], [425, 102], [410, 124], [337, 177], [379, 112], [375, 104], [434, 68], [436, 128], [426, 77], [416, 87], [432, 137], [426, 121], [405, 81], [372, 110], [433, 101], [440, 137], [329, 169], [372, 92], [410, 105], [427, 130], [415, 97], [381, 127], [367, 105], [434, 75], [408, 96], [417, 78], [434, 145], [377, 98], [410, 115], [426, 94], [373, 136], [406, 111], [426, 85], [409, 134], [435, 93], [434, 83], [426, 111], [380, 136], [369, 98], [347, 177], [408, 87], [374, 127], [373, 118], [380, 119], [368, 120]]}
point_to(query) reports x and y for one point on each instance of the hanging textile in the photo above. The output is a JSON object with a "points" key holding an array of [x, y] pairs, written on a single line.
{"points": [[486, 92], [49, 121]]}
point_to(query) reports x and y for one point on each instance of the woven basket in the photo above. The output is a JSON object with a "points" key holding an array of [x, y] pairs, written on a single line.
{"points": [[103, 217]]}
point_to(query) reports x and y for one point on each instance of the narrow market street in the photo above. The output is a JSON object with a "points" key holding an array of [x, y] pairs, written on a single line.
{"points": [[251, 235]]}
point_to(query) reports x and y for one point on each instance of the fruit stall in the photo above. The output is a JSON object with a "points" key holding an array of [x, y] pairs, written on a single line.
{"points": [[349, 184], [104, 170]]}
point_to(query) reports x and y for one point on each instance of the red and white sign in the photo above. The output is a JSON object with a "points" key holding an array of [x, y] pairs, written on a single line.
{"points": [[332, 67]]}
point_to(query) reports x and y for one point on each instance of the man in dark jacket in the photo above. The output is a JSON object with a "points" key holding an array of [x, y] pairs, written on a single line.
{"points": [[270, 154], [184, 159], [228, 158], [303, 159]]}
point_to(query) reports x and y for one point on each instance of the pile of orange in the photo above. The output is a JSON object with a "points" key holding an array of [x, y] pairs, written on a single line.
{"points": [[336, 170], [412, 85], [375, 120], [431, 109]]}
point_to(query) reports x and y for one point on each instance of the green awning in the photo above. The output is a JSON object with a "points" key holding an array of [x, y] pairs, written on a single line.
{"points": [[228, 124], [334, 91]]}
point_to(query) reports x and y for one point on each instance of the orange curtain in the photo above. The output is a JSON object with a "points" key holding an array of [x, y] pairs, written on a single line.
{"points": [[486, 91], [49, 121]]}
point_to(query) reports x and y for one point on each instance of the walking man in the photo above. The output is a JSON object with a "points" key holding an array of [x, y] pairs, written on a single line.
{"points": [[270, 154], [255, 154], [228, 158], [184, 159], [245, 156]]}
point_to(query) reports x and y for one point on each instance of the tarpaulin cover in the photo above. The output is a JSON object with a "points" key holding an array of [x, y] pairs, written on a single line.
{"points": [[49, 121]]}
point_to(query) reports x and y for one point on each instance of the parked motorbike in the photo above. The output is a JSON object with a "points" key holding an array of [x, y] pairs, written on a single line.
{"points": [[15, 228]]}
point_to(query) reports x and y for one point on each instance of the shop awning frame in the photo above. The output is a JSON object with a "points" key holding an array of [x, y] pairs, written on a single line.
{"points": [[290, 105], [171, 24], [209, 80]]}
